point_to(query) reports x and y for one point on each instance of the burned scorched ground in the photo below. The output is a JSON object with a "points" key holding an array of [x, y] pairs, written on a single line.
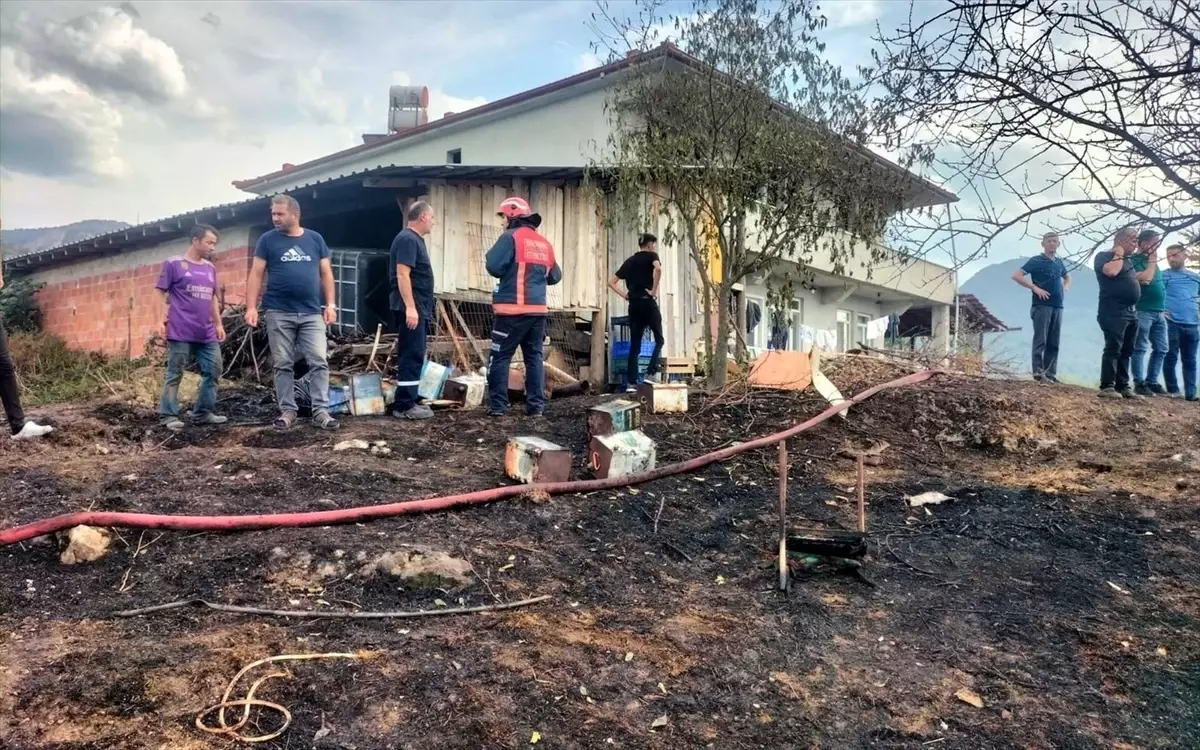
{"points": [[1053, 603]]}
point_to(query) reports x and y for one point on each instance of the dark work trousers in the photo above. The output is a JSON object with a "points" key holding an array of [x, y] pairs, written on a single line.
{"points": [[509, 332], [1120, 334], [1047, 325], [8, 386], [410, 358], [643, 314]]}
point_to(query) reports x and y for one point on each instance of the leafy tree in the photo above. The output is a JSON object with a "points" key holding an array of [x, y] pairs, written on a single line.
{"points": [[1084, 114], [19, 310], [749, 140]]}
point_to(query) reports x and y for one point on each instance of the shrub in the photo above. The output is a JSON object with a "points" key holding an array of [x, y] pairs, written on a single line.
{"points": [[51, 372], [19, 310]]}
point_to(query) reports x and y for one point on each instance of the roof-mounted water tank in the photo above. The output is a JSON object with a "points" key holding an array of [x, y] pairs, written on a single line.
{"points": [[408, 107]]}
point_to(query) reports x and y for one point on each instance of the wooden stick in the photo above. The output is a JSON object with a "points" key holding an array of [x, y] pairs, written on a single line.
{"points": [[324, 615], [375, 346], [483, 359], [783, 481], [458, 349], [862, 495]]}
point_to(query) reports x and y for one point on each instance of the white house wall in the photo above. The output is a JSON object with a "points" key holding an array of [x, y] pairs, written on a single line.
{"points": [[570, 129]]}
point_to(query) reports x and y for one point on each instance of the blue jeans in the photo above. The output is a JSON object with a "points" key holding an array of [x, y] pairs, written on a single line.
{"points": [[1152, 338], [509, 332], [1184, 340], [292, 334], [208, 359]]}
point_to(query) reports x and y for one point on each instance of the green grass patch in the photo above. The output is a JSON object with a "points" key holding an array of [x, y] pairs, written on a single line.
{"points": [[52, 373]]}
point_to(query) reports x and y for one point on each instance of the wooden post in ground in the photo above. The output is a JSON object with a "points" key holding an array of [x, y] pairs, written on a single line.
{"points": [[783, 480], [862, 495]]}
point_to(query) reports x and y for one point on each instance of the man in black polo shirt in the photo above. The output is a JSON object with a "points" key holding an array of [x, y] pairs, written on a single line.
{"points": [[641, 273], [1046, 276], [411, 276], [1119, 293]]}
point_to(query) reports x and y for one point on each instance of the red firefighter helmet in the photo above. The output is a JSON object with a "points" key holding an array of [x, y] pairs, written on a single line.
{"points": [[514, 208]]}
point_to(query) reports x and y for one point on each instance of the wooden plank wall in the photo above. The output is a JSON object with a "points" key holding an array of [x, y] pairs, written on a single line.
{"points": [[676, 290], [467, 225]]}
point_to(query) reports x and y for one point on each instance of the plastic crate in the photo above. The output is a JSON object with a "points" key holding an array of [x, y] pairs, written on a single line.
{"points": [[621, 349]]}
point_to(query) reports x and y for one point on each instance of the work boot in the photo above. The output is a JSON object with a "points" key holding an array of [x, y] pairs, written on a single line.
{"points": [[420, 411], [1109, 392]]}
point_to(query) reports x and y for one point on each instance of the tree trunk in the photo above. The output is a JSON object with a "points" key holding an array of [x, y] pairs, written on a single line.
{"points": [[709, 354], [720, 365], [742, 340]]}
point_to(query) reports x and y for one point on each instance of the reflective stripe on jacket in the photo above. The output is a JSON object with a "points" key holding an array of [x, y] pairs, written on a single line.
{"points": [[523, 261]]}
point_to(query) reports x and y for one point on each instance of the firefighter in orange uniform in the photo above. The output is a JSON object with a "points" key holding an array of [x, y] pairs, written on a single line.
{"points": [[523, 262]]}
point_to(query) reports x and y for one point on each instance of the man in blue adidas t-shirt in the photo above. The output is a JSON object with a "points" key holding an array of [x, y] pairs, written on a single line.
{"points": [[296, 263]]}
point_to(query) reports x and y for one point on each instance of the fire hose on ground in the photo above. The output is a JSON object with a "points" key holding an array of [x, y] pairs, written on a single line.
{"points": [[108, 519]]}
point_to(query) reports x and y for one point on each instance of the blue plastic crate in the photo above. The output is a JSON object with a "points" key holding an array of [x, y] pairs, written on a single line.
{"points": [[619, 365], [621, 349]]}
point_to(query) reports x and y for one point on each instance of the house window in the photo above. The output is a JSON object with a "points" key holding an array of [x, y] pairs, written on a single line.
{"points": [[844, 325], [797, 321], [860, 330], [454, 156], [756, 338]]}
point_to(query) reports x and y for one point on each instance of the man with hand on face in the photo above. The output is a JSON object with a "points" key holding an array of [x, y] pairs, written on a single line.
{"points": [[1152, 325], [296, 263], [1119, 293], [1046, 276], [412, 305], [1182, 287], [191, 326]]}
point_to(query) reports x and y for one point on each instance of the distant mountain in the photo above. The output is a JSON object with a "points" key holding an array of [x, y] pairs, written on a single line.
{"points": [[23, 241], [1082, 342]]}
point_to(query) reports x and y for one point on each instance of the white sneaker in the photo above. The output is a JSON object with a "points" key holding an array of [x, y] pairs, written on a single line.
{"points": [[33, 430]]}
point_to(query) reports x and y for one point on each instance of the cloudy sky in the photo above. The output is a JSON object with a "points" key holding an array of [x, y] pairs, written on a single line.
{"points": [[138, 110]]}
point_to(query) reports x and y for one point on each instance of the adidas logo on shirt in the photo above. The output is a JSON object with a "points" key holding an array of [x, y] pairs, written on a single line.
{"points": [[293, 255]]}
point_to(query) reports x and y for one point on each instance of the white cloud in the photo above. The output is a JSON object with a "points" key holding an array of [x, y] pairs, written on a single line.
{"points": [[843, 14], [587, 61], [107, 52], [52, 126], [150, 110]]}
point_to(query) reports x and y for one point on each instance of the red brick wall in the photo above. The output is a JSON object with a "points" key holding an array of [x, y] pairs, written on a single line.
{"points": [[116, 312]]}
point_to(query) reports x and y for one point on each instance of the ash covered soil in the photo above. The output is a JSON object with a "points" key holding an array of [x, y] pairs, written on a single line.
{"points": [[1060, 587]]}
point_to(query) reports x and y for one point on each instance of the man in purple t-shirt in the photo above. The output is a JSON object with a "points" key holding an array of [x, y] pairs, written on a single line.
{"points": [[191, 325]]}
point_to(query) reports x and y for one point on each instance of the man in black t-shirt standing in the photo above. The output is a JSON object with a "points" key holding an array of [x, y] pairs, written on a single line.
{"points": [[412, 305], [641, 273], [1119, 293]]}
